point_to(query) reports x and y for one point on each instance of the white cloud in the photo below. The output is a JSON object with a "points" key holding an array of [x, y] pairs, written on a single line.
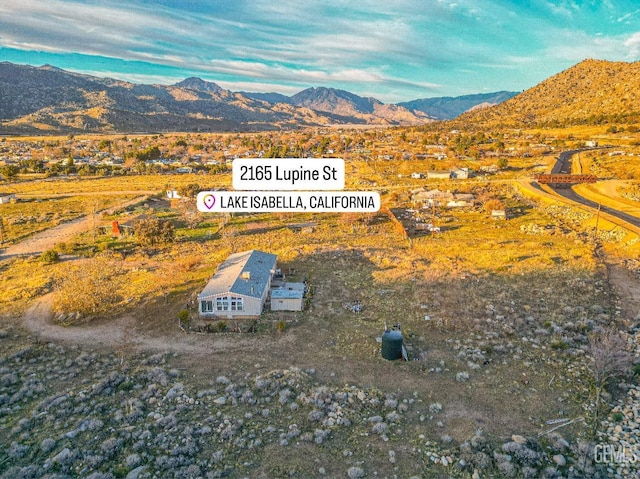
{"points": [[633, 44]]}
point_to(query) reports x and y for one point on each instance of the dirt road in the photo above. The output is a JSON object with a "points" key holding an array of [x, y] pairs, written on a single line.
{"points": [[129, 333], [47, 239], [626, 285]]}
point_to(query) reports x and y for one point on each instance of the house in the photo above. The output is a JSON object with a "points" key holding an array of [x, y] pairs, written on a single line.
{"points": [[438, 175], [432, 197], [289, 297], [240, 287], [460, 173], [458, 204], [461, 200], [7, 198], [498, 214], [173, 194], [591, 144], [303, 227], [417, 176]]}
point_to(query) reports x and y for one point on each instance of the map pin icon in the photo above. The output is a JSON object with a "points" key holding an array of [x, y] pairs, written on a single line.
{"points": [[209, 201]]}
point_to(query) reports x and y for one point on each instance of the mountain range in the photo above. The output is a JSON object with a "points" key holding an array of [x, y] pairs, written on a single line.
{"points": [[345, 103], [47, 99], [448, 108]]}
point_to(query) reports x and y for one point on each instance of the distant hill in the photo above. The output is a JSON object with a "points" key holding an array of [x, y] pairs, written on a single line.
{"points": [[197, 84], [591, 92], [345, 105], [341, 102], [50, 100], [447, 108]]}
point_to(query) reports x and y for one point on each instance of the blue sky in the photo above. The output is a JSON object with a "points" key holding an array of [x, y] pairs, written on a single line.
{"points": [[394, 50]]}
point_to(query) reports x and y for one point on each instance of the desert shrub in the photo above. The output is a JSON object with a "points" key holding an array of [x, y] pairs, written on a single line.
{"points": [[355, 472], [315, 415], [47, 445], [183, 316], [379, 428], [221, 326], [91, 287], [65, 248], [559, 344], [50, 256]]}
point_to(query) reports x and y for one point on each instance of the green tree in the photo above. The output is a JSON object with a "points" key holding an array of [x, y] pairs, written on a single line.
{"points": [[153, 231], [189, 191], [503, 163], [150, 153], [105, 145], [9, 172]]}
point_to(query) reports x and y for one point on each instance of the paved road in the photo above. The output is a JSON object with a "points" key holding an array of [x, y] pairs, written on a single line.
{"points": [[572, 195], [563, 165]]}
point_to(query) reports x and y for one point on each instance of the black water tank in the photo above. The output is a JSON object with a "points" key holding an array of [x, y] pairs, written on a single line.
{"points": [[392, 345]]}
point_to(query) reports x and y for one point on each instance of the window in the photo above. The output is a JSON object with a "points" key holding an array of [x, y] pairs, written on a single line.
{"points": [[206, 306], [236, 304], [220, 303]]}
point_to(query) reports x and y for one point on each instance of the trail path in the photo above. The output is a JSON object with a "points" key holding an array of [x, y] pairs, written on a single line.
{"points": [[626, 285], [47, 239]]}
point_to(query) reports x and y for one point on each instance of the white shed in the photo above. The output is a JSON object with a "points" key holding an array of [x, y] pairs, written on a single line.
{"points": [[288, 298]]}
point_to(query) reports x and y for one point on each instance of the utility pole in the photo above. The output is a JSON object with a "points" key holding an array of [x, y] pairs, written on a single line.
{"points": [[433, 217], [597, 221], [1, 232]]}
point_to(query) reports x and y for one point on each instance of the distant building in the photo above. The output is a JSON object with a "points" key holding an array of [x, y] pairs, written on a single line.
{"points": [[460, 173], [489, 169], [173, 194], [431, 197], [438, 175], [591, 144], [7, 197], [240, 287], [498, 214]]}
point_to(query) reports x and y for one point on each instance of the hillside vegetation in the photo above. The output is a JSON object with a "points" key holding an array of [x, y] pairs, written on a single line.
{"points": [[591, 92]]}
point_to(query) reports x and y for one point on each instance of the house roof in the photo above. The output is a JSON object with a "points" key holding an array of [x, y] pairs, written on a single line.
{"points": [[230, 278], [287, 293]]}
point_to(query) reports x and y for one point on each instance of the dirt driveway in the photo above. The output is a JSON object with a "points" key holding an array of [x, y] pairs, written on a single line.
{"points": [[124, 334]]}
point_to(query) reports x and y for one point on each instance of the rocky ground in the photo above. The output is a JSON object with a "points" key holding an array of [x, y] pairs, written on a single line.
{"points": [[69, 412]]}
